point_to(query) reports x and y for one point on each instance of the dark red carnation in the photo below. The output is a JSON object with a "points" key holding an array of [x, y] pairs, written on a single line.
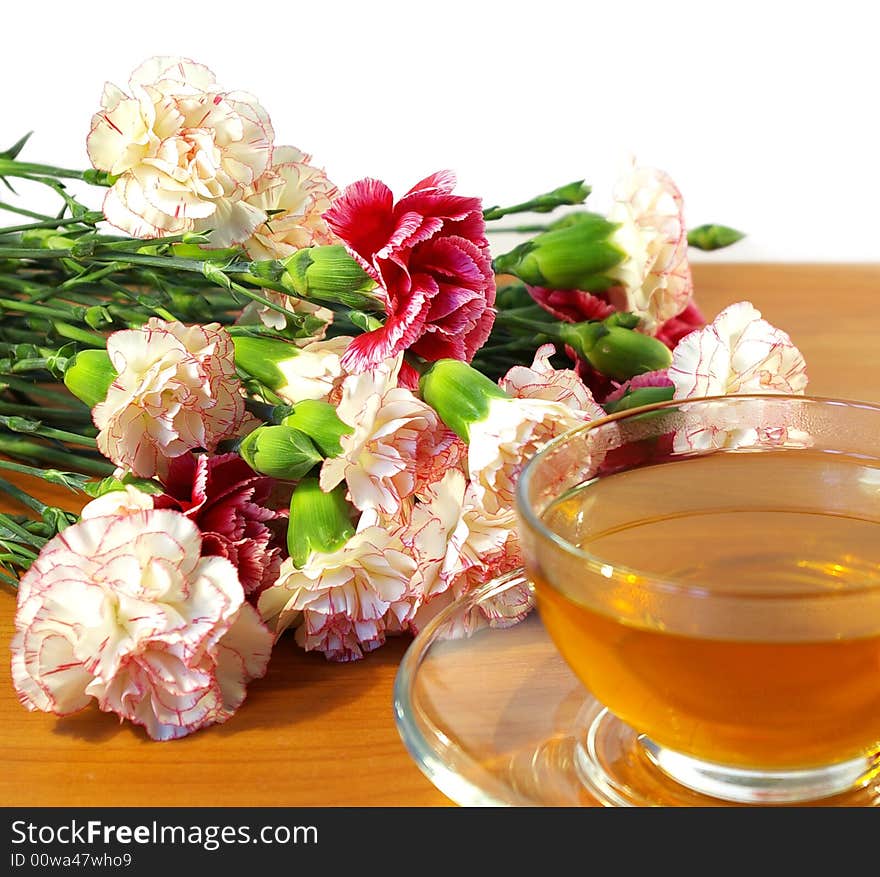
{"points": [[571, 305], [430, 257], [673, 330], [227, 501]]}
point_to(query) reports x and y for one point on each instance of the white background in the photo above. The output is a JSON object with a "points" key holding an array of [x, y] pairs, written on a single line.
{"points": [[766, 114]]}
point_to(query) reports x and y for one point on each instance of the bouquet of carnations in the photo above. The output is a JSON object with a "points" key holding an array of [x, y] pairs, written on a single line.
{"points": [[294, 407]]}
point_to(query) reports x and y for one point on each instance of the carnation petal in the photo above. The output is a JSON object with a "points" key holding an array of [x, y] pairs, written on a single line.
{"points": [[362, 217]]}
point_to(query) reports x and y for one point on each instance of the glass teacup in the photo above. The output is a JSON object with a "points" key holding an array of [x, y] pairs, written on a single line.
{"points": [[710, 569]]}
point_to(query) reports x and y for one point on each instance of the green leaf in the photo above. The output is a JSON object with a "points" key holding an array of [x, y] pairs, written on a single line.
{"points": [[14, 150]]}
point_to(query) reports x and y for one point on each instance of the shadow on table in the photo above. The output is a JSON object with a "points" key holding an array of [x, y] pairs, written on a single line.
{"points": [[297, 686]]}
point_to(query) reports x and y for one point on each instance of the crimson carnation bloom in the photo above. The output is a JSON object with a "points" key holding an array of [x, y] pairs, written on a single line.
{"points": [[226, 500], [673, 330], [571, 305], [430, 257]]}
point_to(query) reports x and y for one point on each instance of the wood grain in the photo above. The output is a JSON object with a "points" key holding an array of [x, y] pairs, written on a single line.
{"points": [[316, 734]]}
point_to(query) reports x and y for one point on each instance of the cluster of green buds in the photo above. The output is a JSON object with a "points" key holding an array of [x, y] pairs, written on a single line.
{"points": [[302, 440]]}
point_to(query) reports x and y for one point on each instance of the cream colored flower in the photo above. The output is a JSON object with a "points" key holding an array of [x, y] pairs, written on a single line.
{"points": [[655, 278], [398, 444], [501, 443], [186, 153], [542, 381], [294, 195], [738, 352], [337, 600], [450, 532], [124, 610], [118, 502], [175, 390], [314, 372]]}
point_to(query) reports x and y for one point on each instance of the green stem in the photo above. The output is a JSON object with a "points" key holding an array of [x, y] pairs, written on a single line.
{"points": [[41, 310], [24, 386], [11, 208], [36, 411], [9, 167], [518, 229], [37, 253], [22, 496], [508, 319], [21, 449], [9, 580], [73, 481], [90, 339], [88, 219], [31, 427], [20, 532], [572, 193]]}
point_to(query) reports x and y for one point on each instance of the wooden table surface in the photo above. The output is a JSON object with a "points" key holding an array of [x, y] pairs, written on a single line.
{"points": [[315, 734]]}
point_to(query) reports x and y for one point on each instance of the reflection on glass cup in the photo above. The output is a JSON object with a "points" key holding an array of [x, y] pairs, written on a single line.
{"points": [[710, 569]]}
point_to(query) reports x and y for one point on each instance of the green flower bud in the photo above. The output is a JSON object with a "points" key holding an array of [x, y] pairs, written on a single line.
{"points": [[327, 274], [578, 256], [640, 396], [570, 193], [89, 376], [574, 218], [259, 357], [98, 317], [280, 452], [318, 521], [318, 420], [46, 239], [615, 351], [713, 237], [459, 394], [99, 178], [110, 484]]}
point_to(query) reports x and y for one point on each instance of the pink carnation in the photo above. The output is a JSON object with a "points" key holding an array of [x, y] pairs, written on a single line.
{"points": [[398, 444], [175, 390], [456, 541], [293, 194], [648, 379], [229, 503], [430, 257], [126, 611], [738, 352], [542, 381], [337, 600]]}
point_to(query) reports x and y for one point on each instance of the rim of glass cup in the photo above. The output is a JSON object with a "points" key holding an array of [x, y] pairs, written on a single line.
{"points": [[649, 581]]}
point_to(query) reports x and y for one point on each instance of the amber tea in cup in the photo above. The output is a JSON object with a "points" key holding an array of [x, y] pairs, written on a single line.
{"points": [[711, 572]]}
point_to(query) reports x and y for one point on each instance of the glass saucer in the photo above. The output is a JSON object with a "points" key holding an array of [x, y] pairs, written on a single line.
{"points": [[494, 717]]}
